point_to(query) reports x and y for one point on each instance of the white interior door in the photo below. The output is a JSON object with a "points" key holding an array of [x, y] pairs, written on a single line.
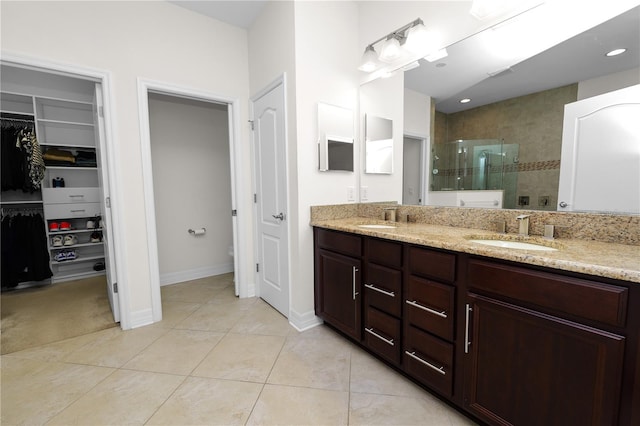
{"points": [[412, 171], [600, 167], [107, 230], [271, 198]]}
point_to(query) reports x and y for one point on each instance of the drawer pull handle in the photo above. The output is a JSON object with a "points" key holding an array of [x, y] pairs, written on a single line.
{"points": [[467, 342], [428, 364], [78, 211], [442, 314], [379, 290], [355, 293], [387, 341], [76, 196]]}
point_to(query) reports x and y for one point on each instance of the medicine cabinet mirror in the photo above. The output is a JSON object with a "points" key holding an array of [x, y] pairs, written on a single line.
{"points": [[378, 145]]}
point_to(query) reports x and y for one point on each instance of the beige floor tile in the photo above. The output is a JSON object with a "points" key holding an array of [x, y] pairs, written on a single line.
{"points": [[368, 409], [177, 352], [56, 351], [125, 397], [33, 391], [241, 357], [459, 419], [196, 291], [262, 319], [114, 347], [200, 401], [213, 317], [287, 405], [175, 312], [312, 363], [370, 375]]}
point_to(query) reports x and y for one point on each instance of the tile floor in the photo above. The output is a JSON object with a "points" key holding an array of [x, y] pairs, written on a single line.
{"points": [[214, 359]]}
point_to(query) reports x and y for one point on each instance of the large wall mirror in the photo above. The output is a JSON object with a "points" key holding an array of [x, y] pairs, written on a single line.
{"points": [[509, 136], [378, 144], [335, 138]]}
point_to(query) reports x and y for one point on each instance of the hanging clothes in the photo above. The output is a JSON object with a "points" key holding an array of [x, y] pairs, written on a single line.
{"points": [[25, 256], [22, 163]]}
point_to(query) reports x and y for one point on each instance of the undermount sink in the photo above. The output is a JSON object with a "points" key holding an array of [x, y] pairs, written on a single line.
{"points": [[377, 226], [519, 245]]}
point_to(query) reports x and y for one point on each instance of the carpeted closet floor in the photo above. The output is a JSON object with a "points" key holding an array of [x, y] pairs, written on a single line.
{"points": [[33, 317]]}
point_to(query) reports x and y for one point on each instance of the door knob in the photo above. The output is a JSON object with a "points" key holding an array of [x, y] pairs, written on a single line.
{"points": [[279, 216], [563, 204]]}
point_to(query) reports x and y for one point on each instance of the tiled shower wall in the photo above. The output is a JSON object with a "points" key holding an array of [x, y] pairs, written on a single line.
{"points": [[534, 122]]}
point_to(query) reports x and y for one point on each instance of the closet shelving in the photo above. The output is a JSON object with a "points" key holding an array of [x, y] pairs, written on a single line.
{"points": [[68, 125]]}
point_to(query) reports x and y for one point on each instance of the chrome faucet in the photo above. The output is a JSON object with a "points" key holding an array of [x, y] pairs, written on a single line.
{"points": [[391, 214], [523, 227]]}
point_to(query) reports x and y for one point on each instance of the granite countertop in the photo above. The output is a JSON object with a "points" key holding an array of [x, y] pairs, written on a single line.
{"points": [[617, 261]]}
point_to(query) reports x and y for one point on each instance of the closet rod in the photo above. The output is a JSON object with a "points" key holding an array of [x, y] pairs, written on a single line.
{"points": [[21, 120]]}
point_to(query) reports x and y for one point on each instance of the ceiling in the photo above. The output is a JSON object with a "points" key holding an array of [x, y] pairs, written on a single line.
{"points": [[239, 12], [465, 73]]}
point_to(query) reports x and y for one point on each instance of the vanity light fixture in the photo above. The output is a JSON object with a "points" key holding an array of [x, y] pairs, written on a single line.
{"points": [[399, 48], [615, 52]]}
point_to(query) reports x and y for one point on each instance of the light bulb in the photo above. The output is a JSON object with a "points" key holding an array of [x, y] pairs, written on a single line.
{"points": [[390, 50], [369, 60], [417, 39]]}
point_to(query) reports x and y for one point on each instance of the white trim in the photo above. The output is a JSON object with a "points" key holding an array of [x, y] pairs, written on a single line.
{"points": [[304, 322], [142, 318], [425, 177], [104, 78], [281, 80], [194, 274], [145, 86]]}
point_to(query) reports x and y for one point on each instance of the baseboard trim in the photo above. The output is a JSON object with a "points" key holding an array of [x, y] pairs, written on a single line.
{"points": [[141, 318], [194, 274], [303, 322]]}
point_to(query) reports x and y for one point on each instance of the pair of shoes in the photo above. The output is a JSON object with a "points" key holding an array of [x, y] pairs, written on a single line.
{"points": [[56, 241], [63, 255], [98, 266], [70, 240], [62, 226], [95, 223], [96, 237]]}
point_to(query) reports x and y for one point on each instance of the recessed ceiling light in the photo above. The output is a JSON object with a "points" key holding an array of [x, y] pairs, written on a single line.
{"points": [[616, 52], [465, 100]]}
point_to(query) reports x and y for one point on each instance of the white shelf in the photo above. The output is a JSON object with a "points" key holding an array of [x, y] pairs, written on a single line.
{"points": [[75, 246], [20, 202], [64, 123], [76, 276], [71, 168], [72, 231], [78, 259]]}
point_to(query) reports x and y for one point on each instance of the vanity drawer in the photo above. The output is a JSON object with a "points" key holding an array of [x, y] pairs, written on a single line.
{"points": [[340, 242], [432, 264], [382, 334], [384, 252], [382, 289], [70, 195], [429, 359], [69, 211], [575, 297], [430, 306]]}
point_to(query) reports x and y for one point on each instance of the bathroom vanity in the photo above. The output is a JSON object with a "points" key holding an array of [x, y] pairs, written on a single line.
{"points": [[510, 336]]}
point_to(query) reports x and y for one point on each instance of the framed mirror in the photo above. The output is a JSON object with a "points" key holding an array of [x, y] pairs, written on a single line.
{"points": [[335, 138], [378, 145]]}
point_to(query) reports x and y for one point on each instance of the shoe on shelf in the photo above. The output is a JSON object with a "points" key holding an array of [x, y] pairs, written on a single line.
{"points": [[56, 241], [98, 266], [70, 240], [65, 226], [91, 224], [60, 256], [71, 254], [96, 237], [54, 227]]}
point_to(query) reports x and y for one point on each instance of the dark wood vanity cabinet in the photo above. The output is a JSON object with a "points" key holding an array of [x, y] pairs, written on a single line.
{"points": [[533, 352], [510, 344], [338, 289]]}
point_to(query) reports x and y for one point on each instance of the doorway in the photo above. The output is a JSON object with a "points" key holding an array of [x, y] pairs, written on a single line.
{"points": [[145, 89], [192, 187], [413, 172]]}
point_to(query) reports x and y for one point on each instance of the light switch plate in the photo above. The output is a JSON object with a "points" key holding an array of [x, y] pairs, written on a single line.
{"points": [[351, 193], [364, 193]]}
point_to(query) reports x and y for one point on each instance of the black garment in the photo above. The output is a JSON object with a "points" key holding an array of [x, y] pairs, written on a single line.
{"points": [[14, 169], [25, 256]]}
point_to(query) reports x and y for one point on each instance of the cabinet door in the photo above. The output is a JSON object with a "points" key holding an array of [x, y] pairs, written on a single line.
{"points": [[528, 368], [339, 292]]}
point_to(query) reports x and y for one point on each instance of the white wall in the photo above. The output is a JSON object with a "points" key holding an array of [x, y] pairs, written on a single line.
{"points": [[192, 187], [154, 40], [608, 83]]}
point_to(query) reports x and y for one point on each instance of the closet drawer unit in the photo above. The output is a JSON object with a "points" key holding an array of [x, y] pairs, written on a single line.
{"points": [[340, 242], [382, 289], [69, 211], [70, 195], [382, 334], [430, 305], [429, 359], [432, 264], [384, 252]]}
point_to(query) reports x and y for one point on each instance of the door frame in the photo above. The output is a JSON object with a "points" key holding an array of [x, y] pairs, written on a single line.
{"points": [[112, 154], [146, 86], [279, 81], [424, 163]]}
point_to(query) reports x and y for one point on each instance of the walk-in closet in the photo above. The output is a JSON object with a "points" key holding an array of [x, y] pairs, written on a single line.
{"points": [[54, 223]]}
